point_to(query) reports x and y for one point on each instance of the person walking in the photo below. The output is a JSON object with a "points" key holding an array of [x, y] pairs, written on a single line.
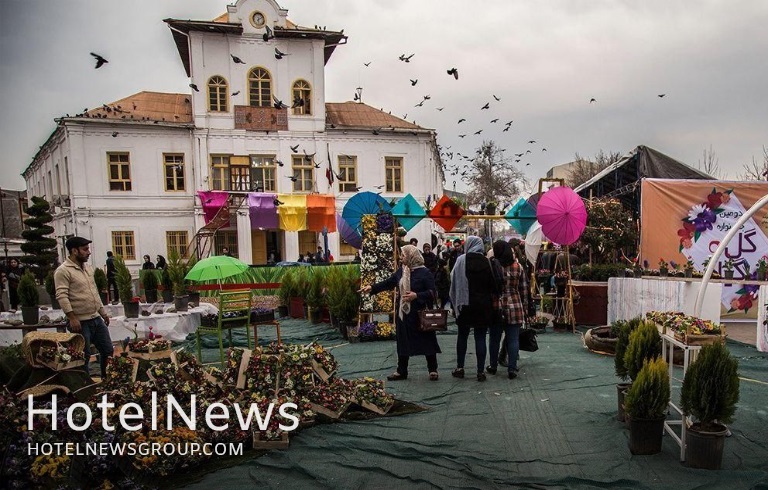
{"points": [[415, 291], [147, 263], [511, 308], [443, 282], [454, 254], [14, 274], [430, 259], [111, 273], [79, 299], [472, 290], [160, 263]]}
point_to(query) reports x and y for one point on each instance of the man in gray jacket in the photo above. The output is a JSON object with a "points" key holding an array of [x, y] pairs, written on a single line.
{"points": [[79, 299]]}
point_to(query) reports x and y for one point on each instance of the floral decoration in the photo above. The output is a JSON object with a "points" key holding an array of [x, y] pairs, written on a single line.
{"points": [[377, 262], [681, 323], [702, 217]]}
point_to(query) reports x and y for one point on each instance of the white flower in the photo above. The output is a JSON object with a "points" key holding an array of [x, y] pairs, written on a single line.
{"points": [[696, 210]]}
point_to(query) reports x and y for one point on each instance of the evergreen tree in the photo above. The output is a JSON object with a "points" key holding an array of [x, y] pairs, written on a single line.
{"points": [[40, 249]]}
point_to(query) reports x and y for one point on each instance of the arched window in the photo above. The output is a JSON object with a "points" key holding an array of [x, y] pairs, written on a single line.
{"points": [[217, 94], [302, 98], [259, 88]]}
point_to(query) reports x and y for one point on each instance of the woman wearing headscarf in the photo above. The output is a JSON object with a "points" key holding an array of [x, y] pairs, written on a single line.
{"points": [[147, 263], [415, 291], [472, 290], [512, 308], [161, 263]]}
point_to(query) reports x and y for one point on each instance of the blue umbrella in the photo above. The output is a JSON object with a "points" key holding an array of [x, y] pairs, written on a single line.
{"points": [[521, 216], [408, 212], [360, 204]]}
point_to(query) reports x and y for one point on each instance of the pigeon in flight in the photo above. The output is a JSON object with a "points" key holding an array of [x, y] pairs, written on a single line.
{"points": [[479, 131], [486, 106], [440, 108], [414, 82], [659, 96], [505, 129], [235, 93], [279, 163], [592, 100], [454, 72], [368, 64], [100, 60], [237, 60], [530, 142], [194, 87], [497, 99], [462, 135], [405, 58], [461, 121], [494, 120], [543, 149], [279, 54], [295, 149], [292, 177], [279, 103], [268, 35], [419, 104]]}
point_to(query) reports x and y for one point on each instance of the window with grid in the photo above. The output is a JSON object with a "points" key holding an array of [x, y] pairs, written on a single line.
{"points": [[239, 174], [263, 173], [176, 241], [119, 171], [226, 239], [259, 88], [220, 172], [217, 94], [394, 170], [347, 173], [124, 245], [303, 173], [174, 171], [302, 98]]}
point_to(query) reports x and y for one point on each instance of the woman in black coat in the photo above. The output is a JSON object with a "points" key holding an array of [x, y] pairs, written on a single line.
{"points": [[415, 291]]}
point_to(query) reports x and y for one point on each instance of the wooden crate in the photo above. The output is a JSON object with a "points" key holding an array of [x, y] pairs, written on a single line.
{"points": [[259, 443], [321, 410], [373, 408], [321, 372]]}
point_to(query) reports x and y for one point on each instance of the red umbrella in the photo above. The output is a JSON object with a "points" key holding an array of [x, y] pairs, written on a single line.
{"points": [[562, 215]]}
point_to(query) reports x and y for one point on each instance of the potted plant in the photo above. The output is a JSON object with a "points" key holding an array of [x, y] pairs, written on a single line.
{"points": [[709, 393], [150, 282], [314, 296], [538, 323], [50, 288], [688, 268], [622, 330], [490, 208], [167, 286], [299, 291], [663, 268], [177, 270], [100, 279], [644, 343], [29, 298], [762, 269], [194, 294], [728, 264], [646, 403], [124, 283], [285, 293]]}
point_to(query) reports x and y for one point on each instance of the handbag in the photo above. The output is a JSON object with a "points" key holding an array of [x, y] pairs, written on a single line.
{"points": [[433, 320], [527, 340]]}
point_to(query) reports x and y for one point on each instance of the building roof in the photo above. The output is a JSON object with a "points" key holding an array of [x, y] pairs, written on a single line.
{"points": [[180, 29], [147, 106], [358, 115]]}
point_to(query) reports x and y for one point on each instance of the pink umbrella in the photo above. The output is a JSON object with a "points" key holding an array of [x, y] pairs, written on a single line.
{"points": [[562, 215]]}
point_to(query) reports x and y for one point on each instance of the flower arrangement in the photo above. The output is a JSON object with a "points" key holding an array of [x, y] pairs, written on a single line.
{"points": [[377, 263], [689, 264], [681, 323], [59, 354], [702, 217], [367, 330], [663, 264], [370, 394], [324, 358], [333, 396], [136, 299], [384, 330], [149, 345]]}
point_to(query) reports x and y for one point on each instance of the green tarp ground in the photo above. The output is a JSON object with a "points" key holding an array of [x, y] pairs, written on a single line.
{"points": [[552, 427]]}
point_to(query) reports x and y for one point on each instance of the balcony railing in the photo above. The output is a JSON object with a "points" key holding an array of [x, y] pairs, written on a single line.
{"points": [[260, 118]]}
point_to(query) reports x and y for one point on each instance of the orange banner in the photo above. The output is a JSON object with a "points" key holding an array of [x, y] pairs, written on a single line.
{"points": [[685, 220]]}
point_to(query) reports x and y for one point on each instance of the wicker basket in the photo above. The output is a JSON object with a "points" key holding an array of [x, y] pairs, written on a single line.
{"points": [[33, 341]]}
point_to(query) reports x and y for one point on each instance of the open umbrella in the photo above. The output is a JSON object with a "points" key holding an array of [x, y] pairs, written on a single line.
{"points": [[521, 216], [348, 234], [562, 215], [533, 242], [360, 204], [216, 268]]}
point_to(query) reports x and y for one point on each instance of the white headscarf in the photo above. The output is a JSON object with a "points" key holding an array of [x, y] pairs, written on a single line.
{"points": [[459, 293], [411, 259]]}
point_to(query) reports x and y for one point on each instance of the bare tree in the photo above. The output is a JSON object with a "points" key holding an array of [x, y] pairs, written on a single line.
{"points": [[709, 163], [492, 177], [755, 171], [582, 169]]}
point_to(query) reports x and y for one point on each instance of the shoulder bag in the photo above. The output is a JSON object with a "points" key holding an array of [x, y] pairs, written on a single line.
{"points": [[527, 340], [433, 320]]}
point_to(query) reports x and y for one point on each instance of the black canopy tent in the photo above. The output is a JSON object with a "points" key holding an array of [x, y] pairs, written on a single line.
{"points": [[621, 180]]}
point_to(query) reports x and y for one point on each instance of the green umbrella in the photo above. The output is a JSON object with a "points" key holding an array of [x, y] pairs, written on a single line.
{"points": [[216, 268]]}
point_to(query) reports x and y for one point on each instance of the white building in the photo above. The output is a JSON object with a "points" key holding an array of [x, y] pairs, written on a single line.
{"points": [[126, 174]]}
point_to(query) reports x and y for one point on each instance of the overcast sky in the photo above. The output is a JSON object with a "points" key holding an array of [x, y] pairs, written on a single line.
{"points": [[544, 60]]}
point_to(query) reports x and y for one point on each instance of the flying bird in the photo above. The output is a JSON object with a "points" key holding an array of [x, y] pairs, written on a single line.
{"points": [[659, 96], [414, 82], [486, 106], [268, 34], [494, 120], [279, 163], [454, 72], [368, 64], [100, 60], [479, 131], [419, 104], [505, 129], [405, 58], [194, 87], [114, 134], [461, 121], [235, 93], [440, 108], [277, 202], [295, 149], [292, 177], [236, 59], [509, 123], [530, 142], [543, 149], [279, 54], [462, 135], [592, 100], [497, 99], [279, 103]]}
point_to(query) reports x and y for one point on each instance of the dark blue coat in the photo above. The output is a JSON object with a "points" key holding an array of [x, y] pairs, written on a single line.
{"points": [[411, 342]]}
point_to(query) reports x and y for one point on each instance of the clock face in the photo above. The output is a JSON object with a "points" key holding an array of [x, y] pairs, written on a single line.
{"points": [[258, 19]]}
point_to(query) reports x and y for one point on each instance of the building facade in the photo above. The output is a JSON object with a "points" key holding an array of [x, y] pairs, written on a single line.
{"points": [[126, 174]]}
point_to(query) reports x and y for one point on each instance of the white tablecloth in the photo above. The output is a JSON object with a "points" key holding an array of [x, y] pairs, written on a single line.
{"points": [[629, 297], [762, 319]]}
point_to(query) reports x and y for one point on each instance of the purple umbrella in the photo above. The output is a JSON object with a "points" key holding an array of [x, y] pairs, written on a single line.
{"points": [[348, 234]]}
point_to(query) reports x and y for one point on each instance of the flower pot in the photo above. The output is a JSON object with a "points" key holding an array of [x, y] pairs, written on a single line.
{"points": [[490, 209], [325, 315], [150, 295], [296, 308], [688, 273], [314, 316], [104, 297], [30, 315], [282, 311], [663, 272], [645, 435], [194, 297], [621, 390], [181, 302], [131, 309], [167, 296], [729, 274], [704, 449]]}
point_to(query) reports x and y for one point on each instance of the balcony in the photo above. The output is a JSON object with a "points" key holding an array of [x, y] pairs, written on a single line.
{"points": [[260, 118]]}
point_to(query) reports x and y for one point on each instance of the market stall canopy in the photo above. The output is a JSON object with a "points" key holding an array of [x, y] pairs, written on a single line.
{"points": [[521, 216], [212, 201], [292, 212], [446, 213], [321, 213], [408, 212], [263, 210], [360, 204], [562, 215]]}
